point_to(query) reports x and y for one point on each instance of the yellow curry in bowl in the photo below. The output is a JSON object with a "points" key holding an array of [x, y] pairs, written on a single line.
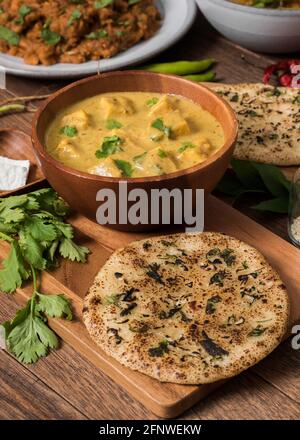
{"points": [[270, 4], [133, 134]]}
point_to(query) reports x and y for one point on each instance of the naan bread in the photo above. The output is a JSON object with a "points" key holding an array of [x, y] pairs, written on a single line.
{"points": [[187, 308], [269, 122]]}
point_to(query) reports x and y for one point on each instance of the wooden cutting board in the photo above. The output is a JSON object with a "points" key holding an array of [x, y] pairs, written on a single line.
{"points": [[73, 279]]}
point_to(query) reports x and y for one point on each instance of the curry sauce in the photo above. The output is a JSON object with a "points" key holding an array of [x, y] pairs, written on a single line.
{"points": [[133, 134]]}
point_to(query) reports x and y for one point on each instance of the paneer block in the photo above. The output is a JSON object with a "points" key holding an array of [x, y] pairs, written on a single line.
{"points": [[79, 119], [66, 150], [112, 107], [154, 164], [107, 168], [177, 123], [162, 108]]}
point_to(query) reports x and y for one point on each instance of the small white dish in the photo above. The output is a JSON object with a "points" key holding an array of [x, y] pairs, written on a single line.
{"points": [[178, 16], [258, 29]]}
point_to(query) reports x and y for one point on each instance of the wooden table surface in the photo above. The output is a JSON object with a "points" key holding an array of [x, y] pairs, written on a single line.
{"points": [[65, 386]]}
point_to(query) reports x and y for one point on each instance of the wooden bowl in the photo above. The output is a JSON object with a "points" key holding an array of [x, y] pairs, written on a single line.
{"points": [[79, 189], [15, 144]]}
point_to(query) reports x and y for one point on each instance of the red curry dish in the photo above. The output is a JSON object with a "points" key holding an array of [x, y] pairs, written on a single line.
{"points": [[74, 31]]}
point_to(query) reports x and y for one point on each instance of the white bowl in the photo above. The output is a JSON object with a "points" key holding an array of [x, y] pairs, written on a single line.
{"points": [[262, 30]]}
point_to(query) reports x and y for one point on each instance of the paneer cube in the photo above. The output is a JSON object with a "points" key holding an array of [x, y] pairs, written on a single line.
{"points": [[162, 108], [112, 107], [78, 119], [106, 168], [154, 164], [66, 150], [177, 123]]}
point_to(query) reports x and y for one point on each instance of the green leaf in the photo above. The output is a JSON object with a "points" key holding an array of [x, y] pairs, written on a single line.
{"points": [[14, 271], [99, 4], [12, 215], [273, 179], [133, 2], [110, 145], [151, 102], [162, 153], [76, 15], [112, 123], [55, 306], [11, 37], [41, 229], [69, 130], [96, 35], [69, 249], [50, 38], [185, 146], [247, 174], [30, 339], [159, 125], [32, 250], [125, 167], [23, 11], [279, 206], [140, 158]]}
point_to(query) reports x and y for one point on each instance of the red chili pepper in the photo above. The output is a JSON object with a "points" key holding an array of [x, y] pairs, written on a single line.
{"points": [[284, 68]]}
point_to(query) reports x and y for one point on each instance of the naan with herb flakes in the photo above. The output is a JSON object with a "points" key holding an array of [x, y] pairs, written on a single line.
{"points": [[269, 122], [187, 308]]}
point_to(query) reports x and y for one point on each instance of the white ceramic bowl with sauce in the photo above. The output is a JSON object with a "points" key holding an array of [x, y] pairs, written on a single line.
{"points": [[258, 29]]}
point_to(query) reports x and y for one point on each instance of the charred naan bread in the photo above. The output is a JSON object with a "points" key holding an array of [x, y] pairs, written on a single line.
{"points": [[187, 308], [269, 122]]}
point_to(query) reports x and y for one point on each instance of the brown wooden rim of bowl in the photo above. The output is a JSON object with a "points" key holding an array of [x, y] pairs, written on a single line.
{"points": [[217, 155]]}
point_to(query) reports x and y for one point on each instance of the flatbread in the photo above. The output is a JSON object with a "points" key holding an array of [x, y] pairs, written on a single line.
{"points": [[269, 122], [187, 308]]}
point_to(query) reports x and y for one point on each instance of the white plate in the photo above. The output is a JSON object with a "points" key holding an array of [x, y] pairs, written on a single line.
{"points": [[178, 16]]}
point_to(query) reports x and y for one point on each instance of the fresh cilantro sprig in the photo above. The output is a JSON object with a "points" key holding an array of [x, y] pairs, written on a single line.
{"points": [[33, 224], [28, 336]]}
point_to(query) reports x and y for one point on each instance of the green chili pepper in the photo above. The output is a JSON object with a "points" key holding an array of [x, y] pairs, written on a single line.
{"points": [[181, 67], [11, 108], [204, 77]]}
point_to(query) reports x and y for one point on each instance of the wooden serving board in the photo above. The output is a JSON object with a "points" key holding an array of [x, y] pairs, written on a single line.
{"points": [[74, 279]]}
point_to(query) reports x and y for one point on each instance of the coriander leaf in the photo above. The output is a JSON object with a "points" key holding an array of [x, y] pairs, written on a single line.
{"points": [[49, 37], [14, 270], [23, 12], [99, 4], [279, 206], [162, 153], [151, 102], [55, 306], [51, 252], [30, 339], [11, 37], [125, 167], [133, 2], [10, 215], [159, 125], [32, 250], [139, 159], [110, 145], [76, 15], [69, 249], [49, 201], [64, 228], [185, 146], [41, 229], [13, 202], [112, 123], [69, 130], [96, 35]]}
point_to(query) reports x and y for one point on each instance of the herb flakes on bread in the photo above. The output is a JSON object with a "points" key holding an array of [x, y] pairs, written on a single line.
{"points": [[269, 122], [187, 308]]}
